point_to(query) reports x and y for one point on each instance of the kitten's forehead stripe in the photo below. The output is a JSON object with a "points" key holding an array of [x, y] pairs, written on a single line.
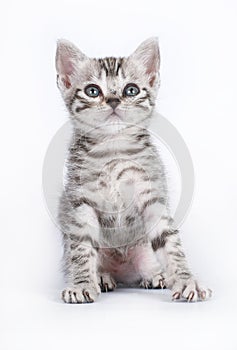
{"points": [[111, 65], [118, 67]]}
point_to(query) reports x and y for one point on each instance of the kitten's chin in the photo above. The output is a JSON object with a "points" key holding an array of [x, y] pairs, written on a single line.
{"points": [[114, 128]]}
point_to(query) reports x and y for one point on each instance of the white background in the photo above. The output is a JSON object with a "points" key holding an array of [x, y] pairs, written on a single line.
{"points": [[198, 95]]}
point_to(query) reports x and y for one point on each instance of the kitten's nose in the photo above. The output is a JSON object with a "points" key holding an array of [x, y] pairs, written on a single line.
{"points": [[113, 102]]}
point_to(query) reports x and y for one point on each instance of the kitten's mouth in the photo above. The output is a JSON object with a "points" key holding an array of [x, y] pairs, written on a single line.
{"points": [[113, 117]]}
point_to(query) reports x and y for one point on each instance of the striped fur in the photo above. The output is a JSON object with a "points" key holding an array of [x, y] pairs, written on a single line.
{"points": [[114, 209]]}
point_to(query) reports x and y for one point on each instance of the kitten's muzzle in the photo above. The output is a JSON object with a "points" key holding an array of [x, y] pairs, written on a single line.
{"points": [[113, 102]]}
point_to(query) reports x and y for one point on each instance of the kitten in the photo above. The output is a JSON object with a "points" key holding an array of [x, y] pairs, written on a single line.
{"points": [[114, 209]]}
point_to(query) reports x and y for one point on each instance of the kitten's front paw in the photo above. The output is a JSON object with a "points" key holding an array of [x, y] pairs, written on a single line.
{"points": [[190, 290], [106, 282], [84, 293]]}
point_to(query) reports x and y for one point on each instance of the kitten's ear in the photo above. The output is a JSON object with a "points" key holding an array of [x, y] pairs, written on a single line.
{"points": [[68, 56], [148, 55]]}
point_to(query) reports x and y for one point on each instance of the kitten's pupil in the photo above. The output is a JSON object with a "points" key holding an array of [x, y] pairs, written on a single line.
{"points": [[93, 91]]}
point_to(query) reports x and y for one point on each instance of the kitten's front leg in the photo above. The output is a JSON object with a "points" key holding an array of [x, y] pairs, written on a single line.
{"points": [[82, 277], [179, 277], [81, 257]]}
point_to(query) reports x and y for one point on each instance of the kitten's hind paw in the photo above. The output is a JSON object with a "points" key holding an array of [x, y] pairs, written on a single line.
{"points": [[106, 282], [190, 290], [156, 282], [85, 293]]}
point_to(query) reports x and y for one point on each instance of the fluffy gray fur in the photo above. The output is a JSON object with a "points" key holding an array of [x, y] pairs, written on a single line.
{"points": [[113, 212]]}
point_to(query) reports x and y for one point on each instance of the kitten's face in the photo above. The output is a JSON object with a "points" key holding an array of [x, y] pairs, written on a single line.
{"points": [[109, 91]]}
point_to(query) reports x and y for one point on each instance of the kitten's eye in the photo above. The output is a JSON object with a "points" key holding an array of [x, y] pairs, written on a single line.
{"points": [[131, 90], [92, 91]]}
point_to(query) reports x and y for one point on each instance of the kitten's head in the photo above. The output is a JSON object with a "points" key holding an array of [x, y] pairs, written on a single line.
{"points": [[109, 91]]}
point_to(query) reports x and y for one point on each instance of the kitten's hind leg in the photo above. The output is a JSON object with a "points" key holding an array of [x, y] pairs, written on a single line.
{"points": [[155, 282], [106, 282], [150, 269]]}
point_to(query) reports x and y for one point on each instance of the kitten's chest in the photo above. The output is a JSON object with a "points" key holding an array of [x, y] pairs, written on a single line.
{"points": [[114, 173], [117, 180]]}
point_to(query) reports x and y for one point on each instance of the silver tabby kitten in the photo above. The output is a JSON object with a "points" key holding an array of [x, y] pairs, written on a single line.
{"points": [[113, 212]]}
